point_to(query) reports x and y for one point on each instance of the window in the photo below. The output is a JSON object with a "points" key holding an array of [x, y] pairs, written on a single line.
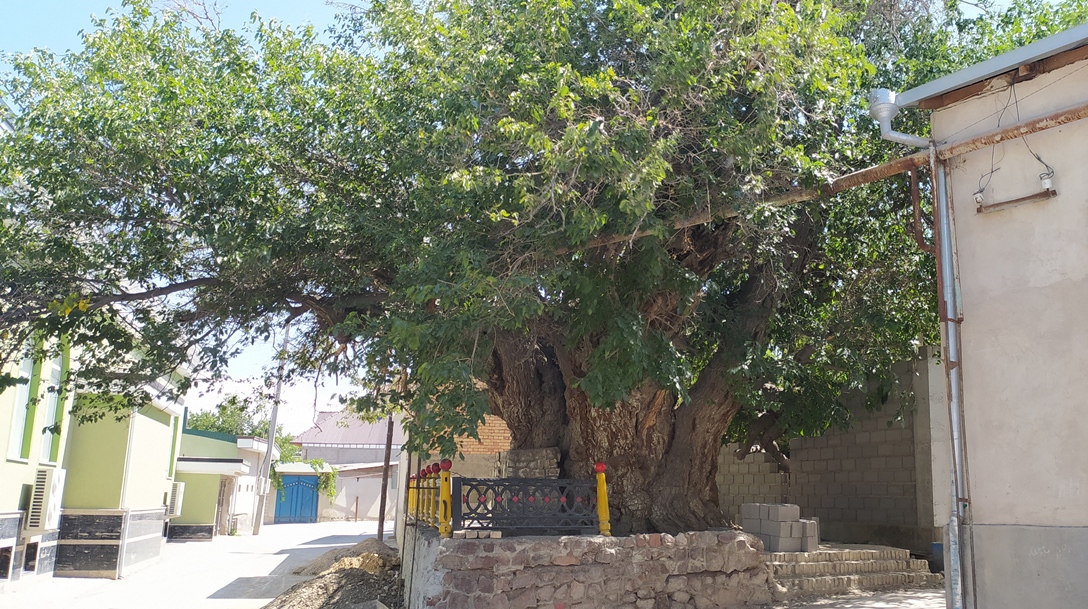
{"points": [[21, 423], [53, 405]]}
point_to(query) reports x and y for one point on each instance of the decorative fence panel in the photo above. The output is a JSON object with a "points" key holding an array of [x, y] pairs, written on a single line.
{"points": [[525, 505]]}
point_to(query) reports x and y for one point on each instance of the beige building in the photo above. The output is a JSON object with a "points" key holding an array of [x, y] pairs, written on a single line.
{"points": [[1011, 145]]}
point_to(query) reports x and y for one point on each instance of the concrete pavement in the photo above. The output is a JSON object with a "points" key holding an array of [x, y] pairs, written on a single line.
{"points": [[242, 572], [901, 599]]}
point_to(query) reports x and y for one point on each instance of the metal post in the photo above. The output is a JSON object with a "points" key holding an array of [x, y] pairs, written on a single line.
{"points": [[602, 500], [266, 464], [445, 500], [385, 480]]}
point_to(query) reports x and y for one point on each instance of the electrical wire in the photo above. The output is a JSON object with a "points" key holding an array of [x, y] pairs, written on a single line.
{"points": [[1049, 173], [993, 149], [1039, 90]]}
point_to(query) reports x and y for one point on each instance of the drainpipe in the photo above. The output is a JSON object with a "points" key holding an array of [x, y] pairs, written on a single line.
{"points": [[883, 108], [951, 318]]}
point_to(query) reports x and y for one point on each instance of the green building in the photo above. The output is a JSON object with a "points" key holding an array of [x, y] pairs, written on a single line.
{"points": [[31, 473], [120, 491], [220, 473]]}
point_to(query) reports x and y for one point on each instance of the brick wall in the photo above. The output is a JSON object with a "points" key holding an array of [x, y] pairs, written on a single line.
{"points": [[494, 438], [860, 482], [864, 475], [883, 481], [756, 479]]}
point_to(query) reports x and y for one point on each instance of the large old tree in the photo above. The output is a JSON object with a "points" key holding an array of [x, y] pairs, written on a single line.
{"points": [[560, 212]]}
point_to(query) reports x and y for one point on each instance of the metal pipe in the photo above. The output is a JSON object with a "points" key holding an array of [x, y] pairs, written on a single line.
{"points": [[883, 108], [266, 463], [951, 317]]}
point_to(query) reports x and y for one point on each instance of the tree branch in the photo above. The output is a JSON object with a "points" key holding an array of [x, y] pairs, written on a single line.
{"points": [[102, 301]]}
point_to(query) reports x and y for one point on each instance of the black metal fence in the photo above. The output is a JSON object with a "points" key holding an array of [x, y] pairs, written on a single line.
{"points": [[526, 506]]}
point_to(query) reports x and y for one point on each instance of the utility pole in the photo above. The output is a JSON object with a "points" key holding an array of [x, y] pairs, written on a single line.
{"points": [[263, 476], [385, 480], [385, 465]]}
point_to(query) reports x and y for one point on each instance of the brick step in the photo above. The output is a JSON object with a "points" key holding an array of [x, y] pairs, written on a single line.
{"points": [[859, 581], [846, 567], [832, 584], [835, 553]]}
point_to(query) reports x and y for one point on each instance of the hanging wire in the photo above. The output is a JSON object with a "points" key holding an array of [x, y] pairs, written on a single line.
{"points": [[984, 179], [1049, 173]]}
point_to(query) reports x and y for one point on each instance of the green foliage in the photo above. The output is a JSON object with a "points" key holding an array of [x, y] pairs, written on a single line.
{"points": [[445, 170], [245, 416], [326, 481]]}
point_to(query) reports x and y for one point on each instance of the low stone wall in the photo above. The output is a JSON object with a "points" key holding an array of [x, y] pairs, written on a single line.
{"points": [[713, 569]]}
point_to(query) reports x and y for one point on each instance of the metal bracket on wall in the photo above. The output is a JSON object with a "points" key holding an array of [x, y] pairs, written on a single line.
{"points": [[985, 208]]}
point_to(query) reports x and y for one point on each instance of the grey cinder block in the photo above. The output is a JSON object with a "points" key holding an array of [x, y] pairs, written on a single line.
{"points": [[784, 512], [810, 544], [775, 528], [781, 544]]}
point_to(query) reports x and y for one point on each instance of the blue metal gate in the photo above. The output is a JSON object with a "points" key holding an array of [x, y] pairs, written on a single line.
{"points": [[297, 502]]}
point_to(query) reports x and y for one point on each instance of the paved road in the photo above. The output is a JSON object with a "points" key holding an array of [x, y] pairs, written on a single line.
{"points": [[905, 599], [242, 572]]}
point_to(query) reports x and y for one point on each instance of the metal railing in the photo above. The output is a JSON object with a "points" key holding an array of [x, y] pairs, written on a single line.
{"points": [[517, 505]]}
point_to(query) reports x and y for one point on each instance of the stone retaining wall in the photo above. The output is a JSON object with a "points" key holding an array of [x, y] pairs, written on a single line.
{"points": [[713, 569]]}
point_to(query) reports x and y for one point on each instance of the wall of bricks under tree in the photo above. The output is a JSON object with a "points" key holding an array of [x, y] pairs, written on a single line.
{"points": [[872, 483], [712, 569], [494, 438]]}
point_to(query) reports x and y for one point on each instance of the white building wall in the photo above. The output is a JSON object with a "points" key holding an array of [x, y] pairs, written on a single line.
{"points": [[1024, 274]]}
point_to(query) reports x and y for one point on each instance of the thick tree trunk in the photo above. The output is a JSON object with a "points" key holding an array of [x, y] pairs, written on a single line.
{"points": [[662, 456], [661, 459]]}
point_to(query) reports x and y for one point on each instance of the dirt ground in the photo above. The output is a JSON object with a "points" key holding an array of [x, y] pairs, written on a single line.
{"points": [[346, 577], [342, 589]]}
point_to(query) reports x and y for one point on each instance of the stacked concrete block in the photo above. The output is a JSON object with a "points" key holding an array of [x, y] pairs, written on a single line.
{"points": [[780, 527]]}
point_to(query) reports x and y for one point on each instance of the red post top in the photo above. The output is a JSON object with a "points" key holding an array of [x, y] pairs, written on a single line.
{"points": [[599, 468], [435, 468], [423, 473], [446, 465]]}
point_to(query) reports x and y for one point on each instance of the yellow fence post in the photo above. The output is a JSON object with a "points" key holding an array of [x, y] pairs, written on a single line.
{"points": [[412, 495], [602, 500], [445, 501]]}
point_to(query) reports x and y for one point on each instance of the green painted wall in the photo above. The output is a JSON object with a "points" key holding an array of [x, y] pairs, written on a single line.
{"points": [[201, 496], [193, 445], [15, 474], [95, 460]]}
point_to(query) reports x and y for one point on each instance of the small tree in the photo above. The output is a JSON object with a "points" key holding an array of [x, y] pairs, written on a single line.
{"points": [[244, 416]]}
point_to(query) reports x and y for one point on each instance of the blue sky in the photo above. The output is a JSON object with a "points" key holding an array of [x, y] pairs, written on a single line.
{"points": [[56, 25]]}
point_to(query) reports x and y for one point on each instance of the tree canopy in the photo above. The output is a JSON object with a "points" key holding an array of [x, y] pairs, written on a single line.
{"points": [[244, 416], [558, 212]]}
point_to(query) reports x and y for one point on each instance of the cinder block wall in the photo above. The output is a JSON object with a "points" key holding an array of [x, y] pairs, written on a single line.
{"points": [[860, 482], [883, 481], [756, 479]]}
